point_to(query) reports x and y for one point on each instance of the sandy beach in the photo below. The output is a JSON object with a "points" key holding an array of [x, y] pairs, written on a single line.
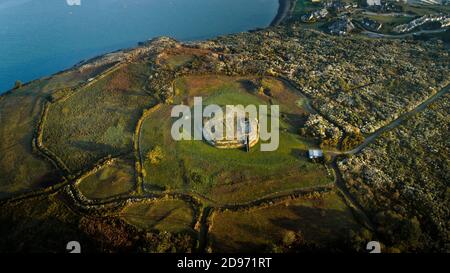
{"points": [[284, 10]]}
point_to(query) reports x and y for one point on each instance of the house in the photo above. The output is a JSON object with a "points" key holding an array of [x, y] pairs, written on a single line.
{"points": [[341, 26], [373, 3], [315, 15], [335, 5], [440, 18], [371, 24], [315, 153]]}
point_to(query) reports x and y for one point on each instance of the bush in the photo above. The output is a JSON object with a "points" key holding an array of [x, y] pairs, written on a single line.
{"points": [[352, 141], [155, 156]]}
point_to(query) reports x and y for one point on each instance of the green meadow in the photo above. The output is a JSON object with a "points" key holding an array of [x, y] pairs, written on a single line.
{"points": [[227, 176], [21, 170], [111, 180], [98, 120]]}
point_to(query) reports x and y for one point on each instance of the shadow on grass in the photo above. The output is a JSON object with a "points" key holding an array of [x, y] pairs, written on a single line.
{"points": [[323, 230], [95, 147]]}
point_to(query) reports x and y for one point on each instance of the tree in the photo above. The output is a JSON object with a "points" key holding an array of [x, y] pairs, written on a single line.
{"points": [[352, 140], [328, 158], [328, 142], [155, 156], [261, 90], [358, 239], [402, 232]]}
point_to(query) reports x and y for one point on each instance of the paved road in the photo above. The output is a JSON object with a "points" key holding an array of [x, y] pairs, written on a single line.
{"points": [[372, 137], [398, 121], [340, 183], [390, 14], [399, 36]]}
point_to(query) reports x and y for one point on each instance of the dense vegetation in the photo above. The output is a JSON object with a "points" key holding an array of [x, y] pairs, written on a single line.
{"points": [[87, 154], [402, 180]]}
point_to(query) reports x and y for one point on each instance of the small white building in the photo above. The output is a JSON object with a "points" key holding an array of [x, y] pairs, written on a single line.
{"points": [[373, 2], [315, 153]]}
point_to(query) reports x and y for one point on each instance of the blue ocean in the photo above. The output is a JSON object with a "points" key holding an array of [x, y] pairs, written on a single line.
{"points": [[41, 37]]}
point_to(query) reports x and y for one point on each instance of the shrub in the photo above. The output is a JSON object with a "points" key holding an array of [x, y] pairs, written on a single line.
{"points": [[155, 156], [352, 140]]}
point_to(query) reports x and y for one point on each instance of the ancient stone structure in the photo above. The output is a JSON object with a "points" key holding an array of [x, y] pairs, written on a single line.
{"points": [[245, 131]]}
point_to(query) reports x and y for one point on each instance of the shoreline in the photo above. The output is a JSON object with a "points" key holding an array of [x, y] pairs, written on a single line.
{"points": [[284, 11]]}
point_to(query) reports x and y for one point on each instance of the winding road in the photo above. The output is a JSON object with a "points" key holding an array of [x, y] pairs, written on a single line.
{"points": [[339, 181]]}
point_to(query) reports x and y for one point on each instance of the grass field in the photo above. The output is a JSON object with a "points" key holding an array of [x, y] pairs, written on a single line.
{"points": [[230, 176], [320, 219], [176, 57], [161, 215], [109, 181], [98, 120], [20, 111]]}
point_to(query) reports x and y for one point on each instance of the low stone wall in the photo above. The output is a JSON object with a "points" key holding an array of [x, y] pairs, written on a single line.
{"points": [[234, 144]]}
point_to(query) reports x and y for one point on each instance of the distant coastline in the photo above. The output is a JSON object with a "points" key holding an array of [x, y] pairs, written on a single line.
{"points": [[284, 11], [68, 47]]}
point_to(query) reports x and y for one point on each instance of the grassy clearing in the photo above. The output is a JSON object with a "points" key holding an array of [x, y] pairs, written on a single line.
{"points": [[98, 120], [111, 180], [163, 215], [323, 220], [176, 57], [179, 60], [20, 111], [230, 176]]}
